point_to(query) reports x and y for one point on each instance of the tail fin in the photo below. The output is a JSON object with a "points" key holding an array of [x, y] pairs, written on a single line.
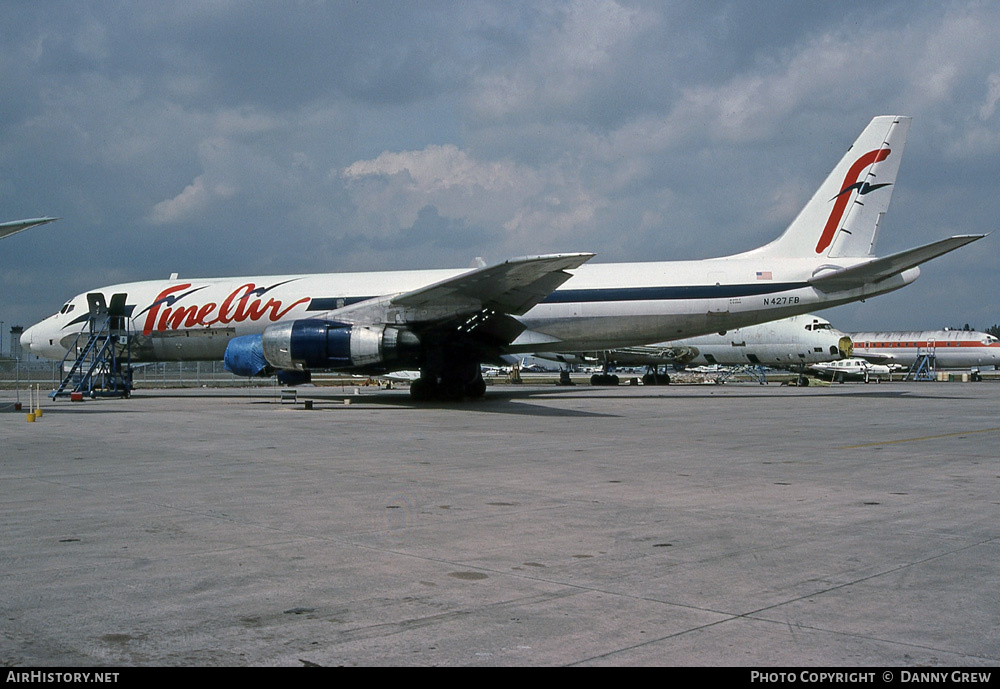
{"points": [[841, 219]]}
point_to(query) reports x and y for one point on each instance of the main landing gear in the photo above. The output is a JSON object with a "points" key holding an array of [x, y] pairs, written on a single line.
{"points": [[460, 382], [651, 377], [654, 377]]}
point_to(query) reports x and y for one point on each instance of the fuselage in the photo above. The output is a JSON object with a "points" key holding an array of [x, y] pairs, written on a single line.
{"points": [[788, 343], [950, 348], [601, 306]]}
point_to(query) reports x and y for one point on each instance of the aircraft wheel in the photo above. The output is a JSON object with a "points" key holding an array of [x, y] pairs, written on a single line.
{"points": [[450, 391], [462, 380], [476, 389], [422, 390]]}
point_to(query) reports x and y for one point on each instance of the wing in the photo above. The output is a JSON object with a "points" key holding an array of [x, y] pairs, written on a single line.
{"points": [[472, 314], [512, 287], [650, 355], [880, 269], [509, 288], [9, 228], [876, 357]]}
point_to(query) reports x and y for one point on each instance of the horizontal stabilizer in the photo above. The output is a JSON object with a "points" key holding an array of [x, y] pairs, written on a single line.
{"points": [[879, 269], [877, 357]]}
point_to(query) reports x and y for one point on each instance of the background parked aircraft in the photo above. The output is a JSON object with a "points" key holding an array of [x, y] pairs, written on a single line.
{"points": [[950, 348], [790, 343], [851, 369]]}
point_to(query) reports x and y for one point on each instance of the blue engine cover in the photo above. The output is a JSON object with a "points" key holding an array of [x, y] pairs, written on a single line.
{"points": [[245, 357]]}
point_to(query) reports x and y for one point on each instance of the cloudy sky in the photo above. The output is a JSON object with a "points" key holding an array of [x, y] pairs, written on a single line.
{"points": [[225, 137]]}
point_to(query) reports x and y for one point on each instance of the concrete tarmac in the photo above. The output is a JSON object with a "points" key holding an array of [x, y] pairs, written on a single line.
{"points": [[737, 525]]}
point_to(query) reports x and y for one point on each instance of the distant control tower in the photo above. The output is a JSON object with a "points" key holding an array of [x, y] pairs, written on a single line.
{"points": [[15, 341]]}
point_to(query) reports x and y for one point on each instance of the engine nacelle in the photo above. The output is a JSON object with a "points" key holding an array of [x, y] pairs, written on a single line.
{"points": [[308, 344], [245, 357]]}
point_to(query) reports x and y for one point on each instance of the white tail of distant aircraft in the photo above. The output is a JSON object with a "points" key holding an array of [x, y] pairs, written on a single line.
{"points": [[447, 322]]}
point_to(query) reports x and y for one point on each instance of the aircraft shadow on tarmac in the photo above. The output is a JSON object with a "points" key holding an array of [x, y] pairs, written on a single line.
{"points": [[498, 400], [325, 398], [495, 402]]}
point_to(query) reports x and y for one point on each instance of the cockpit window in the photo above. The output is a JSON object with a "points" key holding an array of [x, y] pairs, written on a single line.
{"points": [[67, 307]]}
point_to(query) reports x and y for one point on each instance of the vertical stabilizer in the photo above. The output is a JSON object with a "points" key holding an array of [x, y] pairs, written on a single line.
{"points": [[842, 218]]}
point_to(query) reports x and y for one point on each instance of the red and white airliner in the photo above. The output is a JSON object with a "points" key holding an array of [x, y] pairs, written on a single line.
{"points": [[966, 349]]}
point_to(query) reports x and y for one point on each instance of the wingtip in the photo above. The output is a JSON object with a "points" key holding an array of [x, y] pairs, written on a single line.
{"points": [[581, 256]]}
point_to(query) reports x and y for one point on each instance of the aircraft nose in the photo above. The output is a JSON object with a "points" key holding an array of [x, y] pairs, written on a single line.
{"points": [[26, 339]]}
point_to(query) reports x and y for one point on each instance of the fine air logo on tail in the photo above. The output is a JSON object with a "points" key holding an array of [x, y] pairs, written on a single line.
{"points": [[850, 184], [864, 188]]}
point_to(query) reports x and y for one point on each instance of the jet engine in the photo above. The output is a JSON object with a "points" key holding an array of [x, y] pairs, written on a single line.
{"points": [[308, 344], [245, 357]]}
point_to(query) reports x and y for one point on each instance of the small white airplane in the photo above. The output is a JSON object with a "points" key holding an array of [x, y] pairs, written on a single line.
{"points": [[790, 343], [851, 369], [15, 226], [965, 349], [447, 322]]}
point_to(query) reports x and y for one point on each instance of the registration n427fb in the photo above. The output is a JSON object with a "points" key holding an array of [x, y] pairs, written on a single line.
{"points": [[780, 301]]}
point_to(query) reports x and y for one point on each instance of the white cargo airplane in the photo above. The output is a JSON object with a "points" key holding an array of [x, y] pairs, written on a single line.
{"points": [[790, 343], [447, 322], [15, 226], [966, 349]]}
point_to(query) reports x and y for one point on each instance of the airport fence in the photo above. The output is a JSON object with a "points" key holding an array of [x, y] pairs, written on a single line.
{"points": [[170, 374], [17, 374]]}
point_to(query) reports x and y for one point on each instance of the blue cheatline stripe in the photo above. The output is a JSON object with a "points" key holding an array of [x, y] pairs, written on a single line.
{"points": [[564, 296], [575, 296]]}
